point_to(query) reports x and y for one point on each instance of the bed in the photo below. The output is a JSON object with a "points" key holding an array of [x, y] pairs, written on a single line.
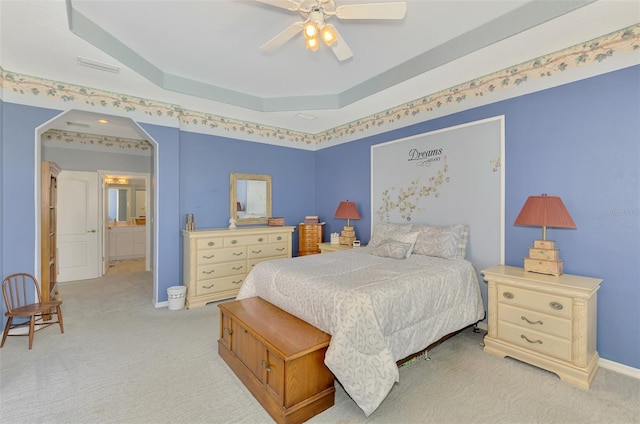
{"points": [[379, 303]]}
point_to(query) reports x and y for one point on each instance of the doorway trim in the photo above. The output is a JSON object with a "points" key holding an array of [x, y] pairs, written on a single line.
{"points": [[104, 220], [152, 230]]}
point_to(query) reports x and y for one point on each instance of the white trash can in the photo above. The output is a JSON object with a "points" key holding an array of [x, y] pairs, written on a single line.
{"points": [[176, 295]]}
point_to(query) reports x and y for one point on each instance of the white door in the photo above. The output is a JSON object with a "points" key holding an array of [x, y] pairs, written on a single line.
{"points": [[78, 230]]}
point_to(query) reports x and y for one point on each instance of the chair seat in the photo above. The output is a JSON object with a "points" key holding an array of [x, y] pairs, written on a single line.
{"points": [[34, 308]]}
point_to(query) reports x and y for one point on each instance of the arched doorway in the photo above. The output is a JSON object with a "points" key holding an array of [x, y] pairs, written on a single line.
{"points": [[100, 143]]}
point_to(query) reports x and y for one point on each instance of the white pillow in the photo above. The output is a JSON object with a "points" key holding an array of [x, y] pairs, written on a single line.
{"points": [[448, 242], [385, 231], [392, 249], [408, 239]]}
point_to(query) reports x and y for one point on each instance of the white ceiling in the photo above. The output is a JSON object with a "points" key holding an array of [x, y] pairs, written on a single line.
{"points": [[204, 55]]}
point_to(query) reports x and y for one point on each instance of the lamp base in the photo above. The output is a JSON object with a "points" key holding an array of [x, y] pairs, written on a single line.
{"points": [[544, 258], [347, 236]]}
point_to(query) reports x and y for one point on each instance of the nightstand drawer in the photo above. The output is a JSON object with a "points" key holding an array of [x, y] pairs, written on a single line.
{"points": [[547, 303], [535, 340], [532, 320]]}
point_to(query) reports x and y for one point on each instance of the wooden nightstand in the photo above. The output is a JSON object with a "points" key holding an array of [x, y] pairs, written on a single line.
{"points": [[544, 320], [328, 247]]}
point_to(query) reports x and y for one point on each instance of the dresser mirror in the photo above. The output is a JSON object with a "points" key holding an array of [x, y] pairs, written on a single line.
{"points": [[249, 198]]}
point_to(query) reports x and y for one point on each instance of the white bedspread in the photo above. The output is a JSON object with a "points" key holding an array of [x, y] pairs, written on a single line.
{"points": [[377, 310]]}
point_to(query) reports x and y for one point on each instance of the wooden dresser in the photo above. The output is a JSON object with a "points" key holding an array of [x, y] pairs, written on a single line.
{"points": [[309, 238], [278, 357], [216, 261], [544, 320]]}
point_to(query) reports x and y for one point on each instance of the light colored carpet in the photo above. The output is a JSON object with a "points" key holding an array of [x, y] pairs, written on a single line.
{"points": [[123, 361]]}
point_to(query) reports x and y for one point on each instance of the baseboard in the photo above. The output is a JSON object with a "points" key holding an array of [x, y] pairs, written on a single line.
{"points": [[619, 368], [602, 363], [162, 304]]}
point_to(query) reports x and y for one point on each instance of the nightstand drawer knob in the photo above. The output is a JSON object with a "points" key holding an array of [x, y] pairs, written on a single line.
{"points": [[508, 295], [555, 305], [531, 322], [530, 341]]}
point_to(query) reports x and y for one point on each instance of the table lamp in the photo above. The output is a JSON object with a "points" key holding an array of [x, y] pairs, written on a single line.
{"points": [[544, 211], [347, 210]]}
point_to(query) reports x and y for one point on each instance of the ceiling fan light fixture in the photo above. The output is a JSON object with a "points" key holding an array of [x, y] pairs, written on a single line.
{"points": [[329, 34], [313, 43], [310, 30]]}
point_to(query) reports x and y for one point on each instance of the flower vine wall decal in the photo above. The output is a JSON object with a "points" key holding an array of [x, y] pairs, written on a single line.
{"points": [[407, 199], [578, 56], [495, 164], [103, 141]]}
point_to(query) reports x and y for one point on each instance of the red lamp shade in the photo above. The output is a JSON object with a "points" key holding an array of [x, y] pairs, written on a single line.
{"points": [[347, 210], [545, 211]]}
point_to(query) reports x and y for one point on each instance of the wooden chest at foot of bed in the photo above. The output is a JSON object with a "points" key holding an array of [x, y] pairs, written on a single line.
{"points": [[278, 357]]}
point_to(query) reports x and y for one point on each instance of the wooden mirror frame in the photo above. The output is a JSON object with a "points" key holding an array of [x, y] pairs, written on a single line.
{"points": [[233, 198]]}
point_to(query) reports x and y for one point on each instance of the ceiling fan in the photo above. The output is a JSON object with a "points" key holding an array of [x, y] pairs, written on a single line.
{"points": [[314, 26]]}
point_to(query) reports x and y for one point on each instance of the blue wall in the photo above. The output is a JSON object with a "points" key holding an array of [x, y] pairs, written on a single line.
{"points": [[580, 141]]}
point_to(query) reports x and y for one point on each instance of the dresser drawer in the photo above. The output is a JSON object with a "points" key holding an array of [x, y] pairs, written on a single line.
{"points": [[212, 256], [547, 303], [535, 340], [215, 285], [267, 250], [206, 272], [528, 319], [210, 243], [246, 240], [252, 262], [279, 238]]}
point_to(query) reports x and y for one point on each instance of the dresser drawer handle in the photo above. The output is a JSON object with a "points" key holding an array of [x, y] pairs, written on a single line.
{"points": [[555, 305], [256, 251], [234, 241], [530, 341], [211, 243], [531, 322], [228, 330], [279, 238], [260, 239], [208, 257], [265, 365], [508, 295], [209, 272], [236, 282], [208, 287], [238, 268], [238, 254], [281, 249]]}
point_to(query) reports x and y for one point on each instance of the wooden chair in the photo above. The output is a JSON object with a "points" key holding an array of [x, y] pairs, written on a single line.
{"points": [[16, 289]]}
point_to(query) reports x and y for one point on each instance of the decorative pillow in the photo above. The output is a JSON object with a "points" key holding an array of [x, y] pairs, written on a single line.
{"points": [[392, 249], [385, 231], [448, 242]]}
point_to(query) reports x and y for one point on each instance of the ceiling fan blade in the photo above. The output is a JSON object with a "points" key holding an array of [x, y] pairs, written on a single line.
{"points": [[282, 38], [394, 10], [284, 4], [341, 49]]}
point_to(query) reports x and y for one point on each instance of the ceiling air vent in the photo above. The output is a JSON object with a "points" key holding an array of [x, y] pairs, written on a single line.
{"points": [[98, 65]]}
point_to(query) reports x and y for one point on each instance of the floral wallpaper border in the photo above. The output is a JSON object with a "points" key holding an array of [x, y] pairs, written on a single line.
{"points": [[577, 56], [127, 145]]}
